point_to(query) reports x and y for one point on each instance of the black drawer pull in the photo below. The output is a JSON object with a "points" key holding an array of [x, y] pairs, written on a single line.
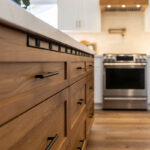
{"points": [[49, 74], [53, 140], [80, 101], [91, 115], [80, 148], [91, 65], [79, 68], [91, 87]]}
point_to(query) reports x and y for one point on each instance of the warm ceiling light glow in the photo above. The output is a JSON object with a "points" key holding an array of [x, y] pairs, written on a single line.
{"points": [[108, 6], [138, 6], [123, 6]]}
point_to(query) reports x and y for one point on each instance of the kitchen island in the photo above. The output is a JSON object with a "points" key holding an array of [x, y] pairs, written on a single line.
{"points": [[46, 85]]}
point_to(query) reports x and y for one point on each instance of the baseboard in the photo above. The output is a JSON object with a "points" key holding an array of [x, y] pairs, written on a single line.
{"points": [[98, 106]]}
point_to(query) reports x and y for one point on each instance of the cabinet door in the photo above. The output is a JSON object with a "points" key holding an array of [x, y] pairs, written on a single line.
{"points": [[91, 15], [79, 15], [40, 128], [147, 19], [67, 14], [78, 133]]}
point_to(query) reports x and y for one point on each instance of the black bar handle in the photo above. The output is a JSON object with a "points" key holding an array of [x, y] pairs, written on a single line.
{"points": [[91, 116], [53, 140], [79, 68], [91, 65], [91, 87], [80, 148], [80, 101], [49, 74]]}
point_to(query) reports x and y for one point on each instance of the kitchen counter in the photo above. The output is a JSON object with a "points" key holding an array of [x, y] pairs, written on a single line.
{"points": [[13, 15], [46, 81]]}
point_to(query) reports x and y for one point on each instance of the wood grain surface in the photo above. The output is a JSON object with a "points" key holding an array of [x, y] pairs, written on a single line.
{"points": [[120, 130]]}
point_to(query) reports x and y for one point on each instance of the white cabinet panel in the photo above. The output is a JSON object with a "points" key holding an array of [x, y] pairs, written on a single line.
{"points": [[67, 14], [79, 15], [92, 15], [147, 20], [148, 79], [98, 79]]}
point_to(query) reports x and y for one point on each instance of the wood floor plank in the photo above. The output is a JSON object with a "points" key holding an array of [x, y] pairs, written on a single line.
{"points": [[120, 130]]}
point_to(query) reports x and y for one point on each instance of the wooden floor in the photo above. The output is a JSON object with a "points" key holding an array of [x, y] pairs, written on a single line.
{"points": [[120, 130]]}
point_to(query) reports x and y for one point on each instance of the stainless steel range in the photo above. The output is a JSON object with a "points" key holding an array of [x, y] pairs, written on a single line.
{"points": [[125, 81]]}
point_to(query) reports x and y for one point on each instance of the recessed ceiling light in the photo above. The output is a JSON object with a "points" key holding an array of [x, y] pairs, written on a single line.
{"points": [[123, 6], [108, 6], [138, 6]]}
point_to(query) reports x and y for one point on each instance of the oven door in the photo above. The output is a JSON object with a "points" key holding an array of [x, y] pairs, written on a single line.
{"points": [[125, 80]]}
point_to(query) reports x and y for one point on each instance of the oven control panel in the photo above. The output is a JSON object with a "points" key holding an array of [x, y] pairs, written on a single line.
{"points": [[116, 58], [141, 59]]}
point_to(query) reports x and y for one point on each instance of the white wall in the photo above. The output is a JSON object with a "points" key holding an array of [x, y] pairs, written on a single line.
{"points": [[136, 39]]}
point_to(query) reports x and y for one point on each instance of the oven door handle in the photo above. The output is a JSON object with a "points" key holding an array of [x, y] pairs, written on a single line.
{"points": [[125, 64], [125, 98]]}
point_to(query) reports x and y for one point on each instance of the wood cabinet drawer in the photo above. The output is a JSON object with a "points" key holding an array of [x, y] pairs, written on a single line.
{"points": [[23, 85], [33, 129], [90, 117], [90, 86], [90, 66], [78, 134], [77, 70], [77, 99], [16, 78]]}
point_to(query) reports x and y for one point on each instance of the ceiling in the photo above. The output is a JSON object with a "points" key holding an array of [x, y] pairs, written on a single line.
{"points": [[124, 5]]}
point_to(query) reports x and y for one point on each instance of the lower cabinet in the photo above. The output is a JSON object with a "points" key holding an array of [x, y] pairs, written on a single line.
{"points": [[41, 128], [89, 118], [78, 133], [77, 100], [46, 93], [61, 122], [81, 105]]}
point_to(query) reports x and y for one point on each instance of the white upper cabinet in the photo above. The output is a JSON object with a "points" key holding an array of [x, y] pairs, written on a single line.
{"points": [[79, 15], [147, 19]]}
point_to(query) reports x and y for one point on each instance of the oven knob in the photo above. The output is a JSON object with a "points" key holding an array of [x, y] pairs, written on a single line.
{"points": [[106, 60], [143, 60], [139, 60], [112, 60]]}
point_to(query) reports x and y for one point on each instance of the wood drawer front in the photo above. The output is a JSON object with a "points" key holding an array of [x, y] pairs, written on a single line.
{"points": [[90, 87], [90, 118], [77, 70], [32, 129], [16, 78], [78, 134], [90, 66], [90, 110], [20, 90], [77, 99]]}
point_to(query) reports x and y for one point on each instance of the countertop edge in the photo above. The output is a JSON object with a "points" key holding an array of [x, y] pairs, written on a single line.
{"points": [[14, 16]]}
